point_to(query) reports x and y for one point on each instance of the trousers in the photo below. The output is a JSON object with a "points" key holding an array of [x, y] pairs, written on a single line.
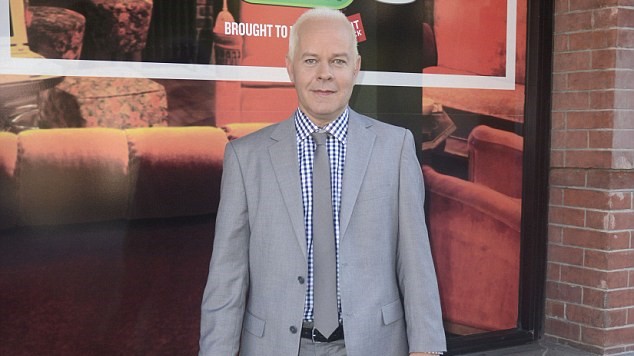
{"points": [[309, 348]]}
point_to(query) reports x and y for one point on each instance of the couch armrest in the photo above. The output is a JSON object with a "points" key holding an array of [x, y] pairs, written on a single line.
{"points": [[8, 188], [495, 160], [72, 176], [475, 239]]}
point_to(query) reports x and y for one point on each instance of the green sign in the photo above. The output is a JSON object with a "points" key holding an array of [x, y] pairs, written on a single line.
{"points": [[335, 4]]}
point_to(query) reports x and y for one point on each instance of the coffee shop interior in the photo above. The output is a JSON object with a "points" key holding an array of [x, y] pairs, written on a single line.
{"points": [[109, 185]]}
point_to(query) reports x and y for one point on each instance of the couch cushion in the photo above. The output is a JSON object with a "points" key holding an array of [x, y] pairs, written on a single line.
{"points": [[175, 171], [105, 102], [72, 175]]}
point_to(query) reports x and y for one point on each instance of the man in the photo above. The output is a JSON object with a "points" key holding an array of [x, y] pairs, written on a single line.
{"points": [[266, 286]]}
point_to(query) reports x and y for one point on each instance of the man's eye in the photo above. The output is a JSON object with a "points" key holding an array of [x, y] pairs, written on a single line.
{"points": [[339, 62], [310, 61]]}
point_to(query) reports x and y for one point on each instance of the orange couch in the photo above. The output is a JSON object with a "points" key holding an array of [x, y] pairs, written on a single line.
{"points": [[105, 239], [474, 229]]}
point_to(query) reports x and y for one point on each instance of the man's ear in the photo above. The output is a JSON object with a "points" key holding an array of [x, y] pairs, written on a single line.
{"points": [[289, 69]]}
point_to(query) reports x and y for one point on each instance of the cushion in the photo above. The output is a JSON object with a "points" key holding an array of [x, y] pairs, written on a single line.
{"points": [[56, 32], [175, 171], [105, 102]]}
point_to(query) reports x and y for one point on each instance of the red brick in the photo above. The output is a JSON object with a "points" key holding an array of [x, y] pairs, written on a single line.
{"points": [[610, 179], [558, 139], [563, 292], [603, 79], [560, 43], [565, 254], [557, 158], [600, 139], [555, 309], [588, 159], [560, 82], [562, 329], [567, 216], [596, 199], [630, 315], [579, 41], [554, 234], [631, 283], [620, 298], [605, 18], [561, 6], [572, 61], [596, 317], [577, 139], [583, 277], [604, 59], [571, 101], [596, 239], [553, 272], [607, 260], [626, 17], [573, 21], [595, 297], [600, 220], [558, 120], [623, 220], [556, 196], [626, 38], [606, 338], [590, 119], [591, 4], [602, 99], [568, 177]]}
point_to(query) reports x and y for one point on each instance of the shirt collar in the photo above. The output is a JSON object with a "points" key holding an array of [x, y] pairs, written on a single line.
{"points": [[337, 128]]}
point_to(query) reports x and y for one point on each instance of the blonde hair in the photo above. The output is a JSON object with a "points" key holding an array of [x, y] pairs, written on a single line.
{"points": [[318, 14]]}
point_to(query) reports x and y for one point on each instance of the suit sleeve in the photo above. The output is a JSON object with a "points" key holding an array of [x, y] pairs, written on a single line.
{"points": [[224, 298], [415, 267]]}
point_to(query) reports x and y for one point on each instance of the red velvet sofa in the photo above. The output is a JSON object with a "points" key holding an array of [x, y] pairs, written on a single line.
{"points": [[105, 239], [474, 228]]}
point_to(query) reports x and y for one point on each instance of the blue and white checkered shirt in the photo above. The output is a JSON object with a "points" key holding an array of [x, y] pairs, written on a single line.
{"points": [[336, 145]]}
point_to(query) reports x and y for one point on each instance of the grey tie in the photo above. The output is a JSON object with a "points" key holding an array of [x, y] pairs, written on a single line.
{"points": [[325, 312]]}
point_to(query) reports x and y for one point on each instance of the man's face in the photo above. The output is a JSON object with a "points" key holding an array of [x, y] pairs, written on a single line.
{"points": [[323, 69]]}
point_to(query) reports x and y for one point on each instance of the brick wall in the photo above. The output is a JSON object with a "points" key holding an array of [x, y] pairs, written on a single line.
{"points": [[590, 280]]}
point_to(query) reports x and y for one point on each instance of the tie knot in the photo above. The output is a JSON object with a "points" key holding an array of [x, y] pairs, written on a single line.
{"points": [[320, 137]]}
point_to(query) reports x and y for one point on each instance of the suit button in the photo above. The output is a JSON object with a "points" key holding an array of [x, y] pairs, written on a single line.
{"points": [[300, 279], [293, 330]]}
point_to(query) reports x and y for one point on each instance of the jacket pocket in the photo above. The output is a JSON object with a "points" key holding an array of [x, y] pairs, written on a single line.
{"points": [[253, 324], [392, 312]]}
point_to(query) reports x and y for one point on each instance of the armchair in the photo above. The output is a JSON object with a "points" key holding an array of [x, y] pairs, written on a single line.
{"points": [[474, 231]]}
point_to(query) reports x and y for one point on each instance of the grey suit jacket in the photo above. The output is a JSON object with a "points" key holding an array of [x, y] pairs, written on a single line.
{"points": [[254, 299]]}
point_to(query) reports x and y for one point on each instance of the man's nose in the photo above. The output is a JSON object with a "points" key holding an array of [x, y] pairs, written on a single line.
{"points": [[324, 71]]}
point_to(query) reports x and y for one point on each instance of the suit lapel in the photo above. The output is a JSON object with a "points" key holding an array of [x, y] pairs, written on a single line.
{"points": [[358, 153], [286, 167]]}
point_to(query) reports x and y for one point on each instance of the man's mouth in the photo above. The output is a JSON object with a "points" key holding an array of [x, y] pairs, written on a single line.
{"points": [[323, 91]]}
